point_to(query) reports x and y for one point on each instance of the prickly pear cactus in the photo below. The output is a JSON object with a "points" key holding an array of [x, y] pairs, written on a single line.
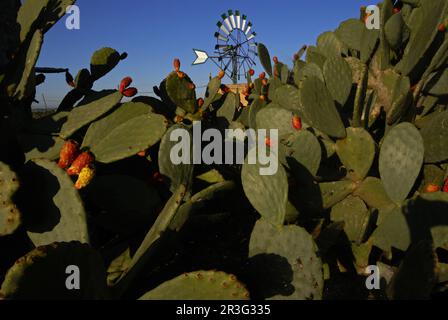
{"points": [[10, 216], [200, 285], [297, 247]]}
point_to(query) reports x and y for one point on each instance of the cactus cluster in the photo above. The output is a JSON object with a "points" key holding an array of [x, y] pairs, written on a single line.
{"points": [[362, 173]]}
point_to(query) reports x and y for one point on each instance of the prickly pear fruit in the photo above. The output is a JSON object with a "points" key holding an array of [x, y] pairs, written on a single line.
{"points": [[432, 188], [251, 72], [262, 75], [191, 86], [262, 98], [264, 82], [126, 82], [180, 74], [68, 154], [176, 64], [85, 176], [85, 159], [142, 153], [297, 123], [445, 186], [221, 74], [275, 60], [200, 102], [130, 92], [69, 79], [396, 10], [267, 141], [442, 27]]}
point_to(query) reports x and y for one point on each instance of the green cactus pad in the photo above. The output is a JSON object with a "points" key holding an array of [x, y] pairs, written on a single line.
{"points": [[177, 173], [422, 218], [357, 67], [329, 45], [89, 112], [26, 85], [179, 93], [396, 31], [54, 210], [83, 80], [371, 190], [355, 215], [43, 274], [10, 216], [350, 32], [129, 138], [308, 70], [229, 107], [319, 109], [435, 138], [118, 266], [313, 55], [265, 58], [272, 117], [424, 31], [356, 152], [296, 245], [254, 108], [369, 43], [438, 84], [304, 148], [334, 192], [200, 285], [211, 92], [103, 61], [416, 275], [400, 161], [338, 78], [125, 112], [268, 194], [287, 97]]}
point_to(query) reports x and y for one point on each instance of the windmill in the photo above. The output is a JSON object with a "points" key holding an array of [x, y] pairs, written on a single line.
{"points": [[235, 48]]}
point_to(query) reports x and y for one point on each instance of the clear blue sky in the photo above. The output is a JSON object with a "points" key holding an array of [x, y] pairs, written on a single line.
{"points": [[155, 32]]}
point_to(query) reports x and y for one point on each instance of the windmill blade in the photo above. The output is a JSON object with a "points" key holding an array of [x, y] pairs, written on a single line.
{"points": [[201, 57]]}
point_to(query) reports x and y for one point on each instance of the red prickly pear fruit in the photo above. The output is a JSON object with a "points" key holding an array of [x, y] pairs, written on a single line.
{"points": [[126, 82], [262, 75], [297, 123], [267, 141], [85, 177], [262, 98], [251, 72], [264, 82], [275, 60], [445, 186], [69, 79], [396, 10], [180, 74], [295, 57], [83, 160], [68, 154], [200, 102], [441, 27], [130, 92], [176, 64], [431, 187], [142, 153], [221, 74]]}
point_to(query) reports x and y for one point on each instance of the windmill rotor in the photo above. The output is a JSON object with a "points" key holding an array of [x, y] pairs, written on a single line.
{"points": [[235, 49]]}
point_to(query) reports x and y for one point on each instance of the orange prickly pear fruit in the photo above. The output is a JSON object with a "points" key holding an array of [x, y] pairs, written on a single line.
{"points": [[432, 188], [68, 153], [445, 186], [251, 72], [262, 98], [85, 177], [142, 153], [176, 64], [200, 102], [297, 122], [264, 82], [85, 159], [221, 74], [262, 75], [441, 27], [267, 141], [275, 60]]}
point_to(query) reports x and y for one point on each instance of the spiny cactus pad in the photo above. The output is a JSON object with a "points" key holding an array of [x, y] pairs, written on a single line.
{"points": [[10, 216], [356, 152], [319, 109], [268, 194], [45, 272], [200, 285], [435, 138], [400, 161], [54, 210], [89, 112], [338, 78], [297, 246], [103, 61], [129, 138]]}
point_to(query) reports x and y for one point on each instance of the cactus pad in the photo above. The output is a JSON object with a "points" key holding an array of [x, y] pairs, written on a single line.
{"points": [[10, 216], [338, 78], [435, 138]]}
